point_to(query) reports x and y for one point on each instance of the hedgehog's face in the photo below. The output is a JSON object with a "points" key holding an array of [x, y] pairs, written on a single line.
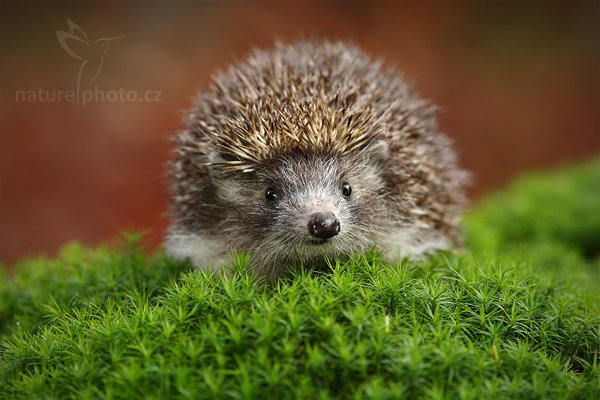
{"points": [[301, 208]]}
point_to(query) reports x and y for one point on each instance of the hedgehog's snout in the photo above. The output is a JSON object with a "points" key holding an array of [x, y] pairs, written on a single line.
{"points": [[323, 225]]}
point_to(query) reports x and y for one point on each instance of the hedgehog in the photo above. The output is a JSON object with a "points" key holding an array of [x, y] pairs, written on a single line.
{"points": [[309, 153]]}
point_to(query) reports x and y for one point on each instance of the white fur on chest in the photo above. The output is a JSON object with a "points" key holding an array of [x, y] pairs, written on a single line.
{"points": [[411, 242], [210, 254], [203, 252]]}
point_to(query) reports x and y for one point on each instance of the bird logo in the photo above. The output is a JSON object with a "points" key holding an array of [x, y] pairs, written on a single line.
{"points": [[91, 54]]}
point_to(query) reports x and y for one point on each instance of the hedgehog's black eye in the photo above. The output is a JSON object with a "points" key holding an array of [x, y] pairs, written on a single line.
{"points": [[271, 194], [346, 189]]}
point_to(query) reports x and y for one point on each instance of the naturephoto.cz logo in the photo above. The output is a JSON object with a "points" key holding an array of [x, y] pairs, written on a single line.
{"points": [[91, 55]]}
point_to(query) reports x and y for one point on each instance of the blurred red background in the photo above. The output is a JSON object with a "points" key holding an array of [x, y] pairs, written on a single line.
{"points": [[518, 83]]}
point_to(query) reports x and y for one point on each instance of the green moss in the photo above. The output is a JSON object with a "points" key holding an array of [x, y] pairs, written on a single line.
{"points": [[124, 324], [550, 220]]}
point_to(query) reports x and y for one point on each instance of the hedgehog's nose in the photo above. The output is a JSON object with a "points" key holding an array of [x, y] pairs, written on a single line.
{"points": [[323, 225]]}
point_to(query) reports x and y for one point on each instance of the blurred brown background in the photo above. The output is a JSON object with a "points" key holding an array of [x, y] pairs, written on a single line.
{"points": [[518, 82]]}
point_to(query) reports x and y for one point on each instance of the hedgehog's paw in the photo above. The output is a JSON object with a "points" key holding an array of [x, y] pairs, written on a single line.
{"points": [[411, 243], [208, 254]]}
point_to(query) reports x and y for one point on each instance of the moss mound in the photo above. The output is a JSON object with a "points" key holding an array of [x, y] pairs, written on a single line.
{"points": [[516, 317], [552, 221]]}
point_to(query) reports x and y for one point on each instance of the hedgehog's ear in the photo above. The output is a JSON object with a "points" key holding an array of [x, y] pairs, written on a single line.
{"points": [[377, 153], [215, 163], [219, 168]]}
